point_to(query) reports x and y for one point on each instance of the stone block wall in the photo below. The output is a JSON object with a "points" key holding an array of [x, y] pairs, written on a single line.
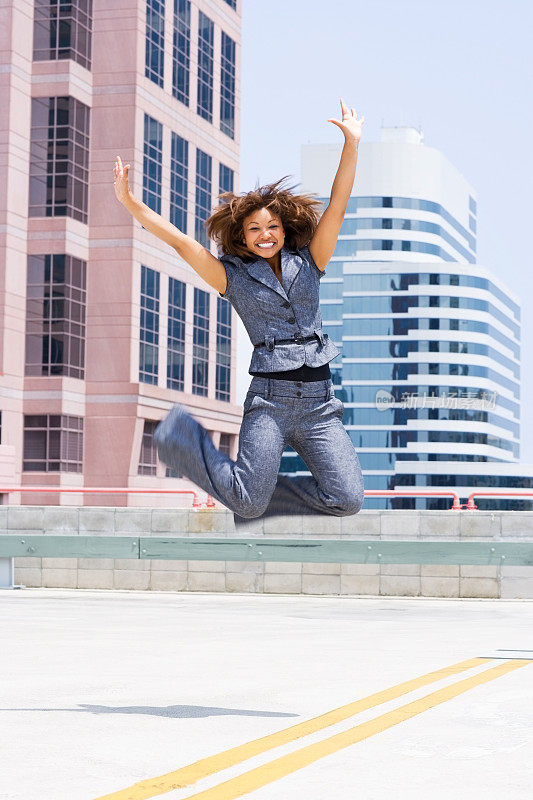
{"points": [[407, 580]]}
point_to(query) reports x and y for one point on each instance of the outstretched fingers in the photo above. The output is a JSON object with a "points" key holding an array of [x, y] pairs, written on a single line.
{"points": [[344, 108], [347, 112], [350, 122]]}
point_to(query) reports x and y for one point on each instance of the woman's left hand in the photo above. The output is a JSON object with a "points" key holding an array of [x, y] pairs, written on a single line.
{"points": [[350, 125]]}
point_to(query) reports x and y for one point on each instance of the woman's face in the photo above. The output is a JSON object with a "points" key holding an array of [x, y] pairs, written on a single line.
{"points": [[263, 233]]}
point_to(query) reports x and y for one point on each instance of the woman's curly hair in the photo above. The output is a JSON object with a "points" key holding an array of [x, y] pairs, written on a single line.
{"points": [[299, 214]]}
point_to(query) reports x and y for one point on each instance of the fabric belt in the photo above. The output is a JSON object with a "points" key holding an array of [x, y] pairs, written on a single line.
{"points": [[300, 340]]}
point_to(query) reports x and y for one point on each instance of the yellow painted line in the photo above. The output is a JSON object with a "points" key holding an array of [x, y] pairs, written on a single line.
{"points": [[280, 767], [185, 776]]}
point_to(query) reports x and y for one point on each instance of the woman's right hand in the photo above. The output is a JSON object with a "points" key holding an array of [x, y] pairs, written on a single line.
{"points": [[122, 187], [195, 254]]}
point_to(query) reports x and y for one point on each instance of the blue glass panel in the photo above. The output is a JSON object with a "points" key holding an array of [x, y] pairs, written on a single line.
{"points": [[223, 360], [176, 334], [397, 282], [400, 326], [356, 203], [152, 163], [401, 304], [155, 40], [205, 67], [377, 461], [227, 86], [401, 349], [200, 360], [226, 178], [181, 51], [203, 195], [179, 179], [352, 226], [149, 326], [402, 372]]}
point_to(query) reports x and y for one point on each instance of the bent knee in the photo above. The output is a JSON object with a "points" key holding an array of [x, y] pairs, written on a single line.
{"points": [[351, 504], [250, 510], [251, 505]]}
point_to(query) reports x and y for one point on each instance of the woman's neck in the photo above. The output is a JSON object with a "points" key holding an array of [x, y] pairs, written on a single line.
{"points": [[275, 262]]}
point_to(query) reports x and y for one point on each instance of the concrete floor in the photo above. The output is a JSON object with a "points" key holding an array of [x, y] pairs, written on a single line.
{"points": [[100, 690]]}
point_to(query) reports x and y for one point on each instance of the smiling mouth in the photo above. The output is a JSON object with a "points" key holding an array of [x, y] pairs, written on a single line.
{"points": [[266, 245]]}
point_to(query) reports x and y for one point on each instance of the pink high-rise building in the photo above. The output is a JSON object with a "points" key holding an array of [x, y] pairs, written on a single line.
{"points": [[103, 327]]}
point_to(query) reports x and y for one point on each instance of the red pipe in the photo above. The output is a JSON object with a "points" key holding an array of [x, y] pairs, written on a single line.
{"points": [[393, 493], [210, 503], [105, 490], [471, 506]]}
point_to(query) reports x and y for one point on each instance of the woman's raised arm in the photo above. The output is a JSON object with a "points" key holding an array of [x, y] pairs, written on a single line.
{"points": [[200, 259], [325, 238]]}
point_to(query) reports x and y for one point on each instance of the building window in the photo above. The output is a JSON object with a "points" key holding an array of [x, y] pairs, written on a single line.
{"points": [[227, 86], [148, 456], [472, 205], [225, 179], [181, 51], [205, 67], [179, 182], [356, 204], [59, 158], [232, 4], [52, 443], [223, 371], [152, 163], [149, 327], [63, 30], [155, 40], [176, 334], [55, 315], [200, 351], [204, 165], [226, 440]]}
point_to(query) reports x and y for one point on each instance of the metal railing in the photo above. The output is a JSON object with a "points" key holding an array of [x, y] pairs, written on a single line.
{"points": [[210, 503], [471, 506], [456, 506]]}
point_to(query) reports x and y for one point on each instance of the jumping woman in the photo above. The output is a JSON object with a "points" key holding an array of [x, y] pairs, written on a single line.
{"points": [[274, 248]]}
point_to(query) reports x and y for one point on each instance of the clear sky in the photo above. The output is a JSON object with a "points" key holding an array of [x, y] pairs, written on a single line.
{"points": [[462, 70]]}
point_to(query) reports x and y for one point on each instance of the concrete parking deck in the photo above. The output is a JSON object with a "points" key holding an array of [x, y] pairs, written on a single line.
{"points": [[112, 694]]}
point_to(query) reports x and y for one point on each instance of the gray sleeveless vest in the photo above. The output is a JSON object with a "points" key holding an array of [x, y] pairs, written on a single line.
{"points": [[283, 321]]}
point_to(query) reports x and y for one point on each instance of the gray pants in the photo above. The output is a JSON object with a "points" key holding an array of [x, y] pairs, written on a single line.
{"points": [[277, 413]]}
